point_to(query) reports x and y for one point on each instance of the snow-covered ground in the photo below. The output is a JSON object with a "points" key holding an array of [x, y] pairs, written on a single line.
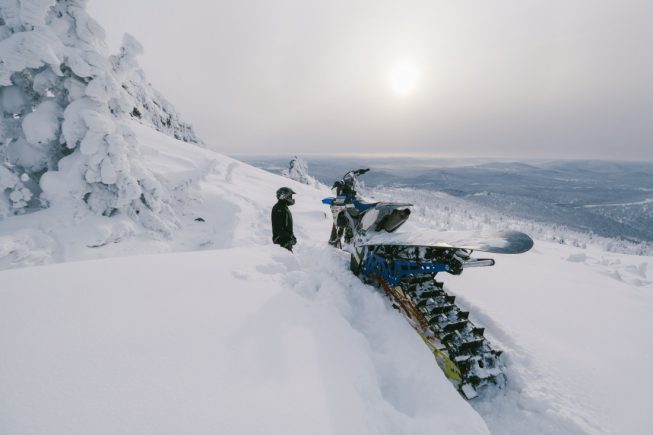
{"points": [[236, 335], [576, 326]]}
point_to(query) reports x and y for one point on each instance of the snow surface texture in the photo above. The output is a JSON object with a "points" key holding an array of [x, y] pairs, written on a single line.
{"points": [[246, 338], [66, 104]]}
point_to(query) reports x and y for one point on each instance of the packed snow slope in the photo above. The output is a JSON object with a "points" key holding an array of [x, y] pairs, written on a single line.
{"points": [[242, 337], [236, 335]]}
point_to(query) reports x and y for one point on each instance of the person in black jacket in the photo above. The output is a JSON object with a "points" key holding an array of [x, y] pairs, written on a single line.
{"points": [[282, 232]]}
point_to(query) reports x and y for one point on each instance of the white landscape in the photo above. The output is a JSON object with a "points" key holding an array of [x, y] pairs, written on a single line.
{"points": [[141, 293], [240, 336]]}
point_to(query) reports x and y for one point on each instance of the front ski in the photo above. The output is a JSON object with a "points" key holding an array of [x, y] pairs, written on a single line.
{"points": [[497, 242]]}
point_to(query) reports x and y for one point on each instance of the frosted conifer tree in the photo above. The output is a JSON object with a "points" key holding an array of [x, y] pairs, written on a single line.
{"points": [[146, 103], [298, 171], [65, 103]]}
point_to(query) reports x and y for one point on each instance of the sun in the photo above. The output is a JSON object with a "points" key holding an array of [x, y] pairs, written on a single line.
{"points": [[404, 78]]}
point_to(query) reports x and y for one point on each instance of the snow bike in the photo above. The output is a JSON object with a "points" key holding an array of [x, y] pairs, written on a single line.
{"points": [[404, 266], [353, 217]]}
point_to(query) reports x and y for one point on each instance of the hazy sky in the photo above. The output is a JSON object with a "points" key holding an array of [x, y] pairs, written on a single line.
{"points": [[500, 78]]}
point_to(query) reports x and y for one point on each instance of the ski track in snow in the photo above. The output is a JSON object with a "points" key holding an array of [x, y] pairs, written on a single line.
{"points": [[532, 407], [567, 365], [382, 379], [323, 283]]}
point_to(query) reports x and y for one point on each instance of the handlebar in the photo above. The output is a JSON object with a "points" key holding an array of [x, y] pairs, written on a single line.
{"points": [[348, 180], [356, 172]]}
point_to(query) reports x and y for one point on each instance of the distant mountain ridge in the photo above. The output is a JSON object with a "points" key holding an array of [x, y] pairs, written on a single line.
{"points": [[609, 199]]}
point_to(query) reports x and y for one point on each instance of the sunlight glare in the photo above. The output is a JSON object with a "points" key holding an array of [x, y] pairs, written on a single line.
{"points": [[403, 78]]}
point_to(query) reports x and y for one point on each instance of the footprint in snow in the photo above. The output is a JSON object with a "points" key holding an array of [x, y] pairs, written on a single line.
{"points": [[581, 257], [239, 274]]}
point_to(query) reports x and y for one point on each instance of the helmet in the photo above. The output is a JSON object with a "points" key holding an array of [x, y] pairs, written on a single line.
{"points": [[285, 193]]}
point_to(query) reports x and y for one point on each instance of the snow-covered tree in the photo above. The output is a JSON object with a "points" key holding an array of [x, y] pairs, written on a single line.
{"points": [[147, 104], [298, 171], [151, 107], [65, 104]]}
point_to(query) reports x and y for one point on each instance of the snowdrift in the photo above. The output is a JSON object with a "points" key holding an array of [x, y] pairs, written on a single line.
{"points": [[226, 341]]}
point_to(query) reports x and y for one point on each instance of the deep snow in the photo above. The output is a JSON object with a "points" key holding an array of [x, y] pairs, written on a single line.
{"points": [[239, 340], [244, 337]]}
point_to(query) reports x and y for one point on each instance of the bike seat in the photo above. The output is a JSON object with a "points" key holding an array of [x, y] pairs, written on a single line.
{"points": [[364, 206]]}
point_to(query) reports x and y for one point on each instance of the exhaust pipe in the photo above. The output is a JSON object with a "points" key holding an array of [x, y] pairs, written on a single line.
{"points": [[394, 220]]}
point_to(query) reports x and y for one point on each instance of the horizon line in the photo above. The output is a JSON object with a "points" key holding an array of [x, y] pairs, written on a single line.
{"points": [[435, 156]]}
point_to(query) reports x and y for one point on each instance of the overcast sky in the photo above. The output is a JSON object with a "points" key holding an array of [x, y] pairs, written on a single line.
{"points": [[501, 78]]}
